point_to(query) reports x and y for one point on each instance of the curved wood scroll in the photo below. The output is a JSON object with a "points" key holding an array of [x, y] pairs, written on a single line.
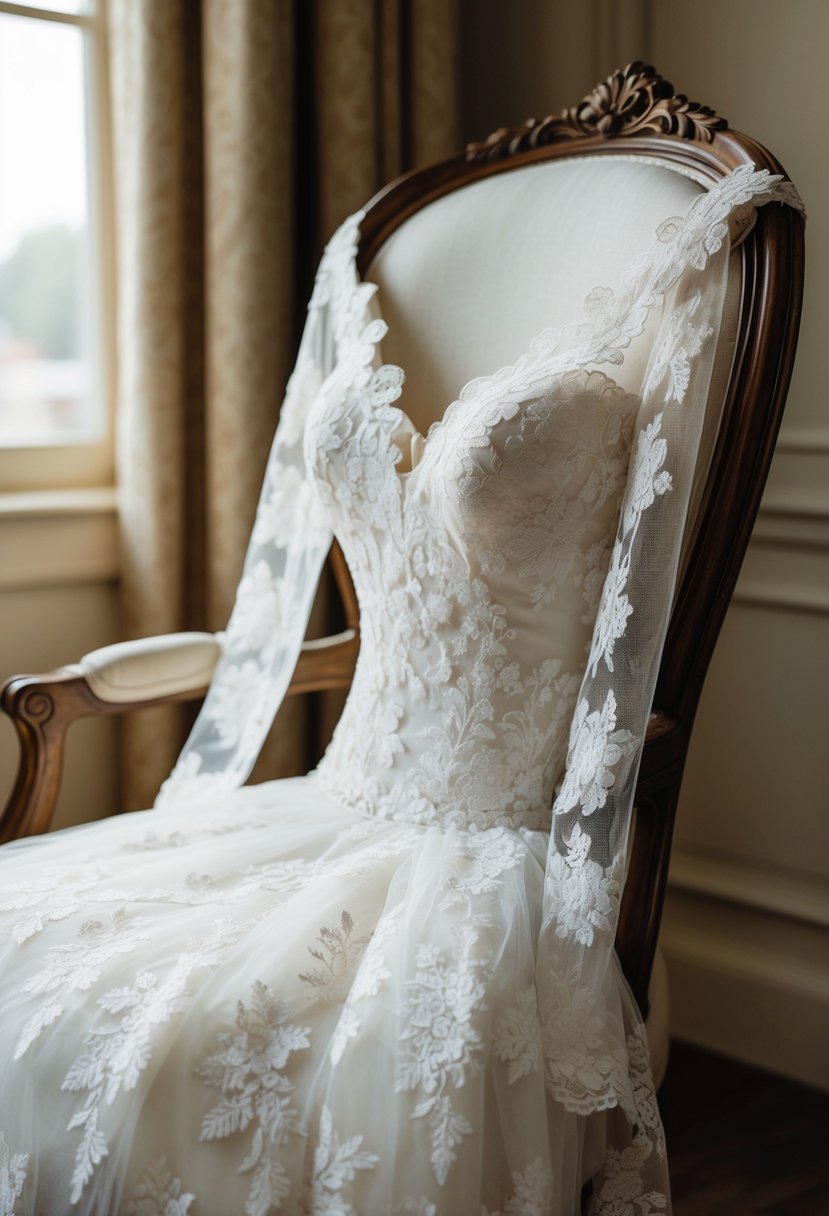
{"points": [[635, 100]]}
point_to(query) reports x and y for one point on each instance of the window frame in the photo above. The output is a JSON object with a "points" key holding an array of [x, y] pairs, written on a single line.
{"points": [[69, 464]]}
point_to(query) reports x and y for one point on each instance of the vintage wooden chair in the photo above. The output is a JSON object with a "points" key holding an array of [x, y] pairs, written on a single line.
{"points": [[556, 206]]}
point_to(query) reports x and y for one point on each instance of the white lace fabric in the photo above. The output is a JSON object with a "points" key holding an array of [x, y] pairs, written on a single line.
{"points": [[514, 570]]}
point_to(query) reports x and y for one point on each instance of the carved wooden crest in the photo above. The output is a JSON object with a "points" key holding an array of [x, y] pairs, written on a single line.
{"points": [[634, 100]]}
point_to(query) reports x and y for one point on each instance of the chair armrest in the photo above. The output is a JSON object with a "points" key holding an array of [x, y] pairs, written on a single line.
{"points": [[151, 669], [115, 680]]}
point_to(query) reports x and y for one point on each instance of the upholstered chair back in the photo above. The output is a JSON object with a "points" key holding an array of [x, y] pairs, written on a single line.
{"points": [[470, 279]]}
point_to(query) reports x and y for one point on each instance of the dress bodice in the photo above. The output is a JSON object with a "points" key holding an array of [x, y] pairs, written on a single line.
{"points": [[511, 574], [478, 555]]}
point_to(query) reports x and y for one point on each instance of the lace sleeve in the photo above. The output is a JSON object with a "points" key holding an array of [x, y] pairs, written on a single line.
{"points": [[686, 277], [290, 540]]}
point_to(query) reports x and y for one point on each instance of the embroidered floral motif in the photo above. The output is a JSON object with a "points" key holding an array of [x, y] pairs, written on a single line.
{"points": [[580, 1070], [478, 866], [595, 750], [55, 893], [581, 898], [682, 341], [441, 1043], [621, 1193], [274, 525], [540, 497], [517, 1038], [159, 1193], [76, 966], [336, 1163], [372, 973], [648, 478], [260, 607], [116, 1053], [615, 608], [13, 1171], [645, 1110], [339, 954], [249, 1071], [532, 1193], [414, 1207], [232, 690]]}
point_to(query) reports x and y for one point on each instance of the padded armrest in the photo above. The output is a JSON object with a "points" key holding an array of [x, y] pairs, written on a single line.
{"points": [[120, 678], [151, 667]]}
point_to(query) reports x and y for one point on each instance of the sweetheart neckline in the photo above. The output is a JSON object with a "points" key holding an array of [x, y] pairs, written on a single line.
{"points": [[627, 303], [549, 336], [501, 374]]}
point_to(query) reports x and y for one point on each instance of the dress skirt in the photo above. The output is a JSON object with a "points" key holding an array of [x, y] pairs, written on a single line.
{"points": [[269, 1002]]}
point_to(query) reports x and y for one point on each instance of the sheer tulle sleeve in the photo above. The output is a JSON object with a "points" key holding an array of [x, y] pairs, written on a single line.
{"points": [[591, 1060], [288, 545]]}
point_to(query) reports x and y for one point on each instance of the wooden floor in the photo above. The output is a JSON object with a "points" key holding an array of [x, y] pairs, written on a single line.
{"points": [[743, 1142]]}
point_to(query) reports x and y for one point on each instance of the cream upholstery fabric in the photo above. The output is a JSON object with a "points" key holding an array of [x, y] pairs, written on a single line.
{"points": [[151, 667], [468, 282]]}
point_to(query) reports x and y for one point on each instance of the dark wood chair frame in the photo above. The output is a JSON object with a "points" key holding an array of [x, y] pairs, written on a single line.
{"points": [[633, 111]]}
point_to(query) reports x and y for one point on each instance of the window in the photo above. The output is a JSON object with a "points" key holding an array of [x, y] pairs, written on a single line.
{"points": [[55, 374]]}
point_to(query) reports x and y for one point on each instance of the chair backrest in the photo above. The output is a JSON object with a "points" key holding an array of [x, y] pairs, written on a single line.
{"points": [[467, 282], [478, 254]]}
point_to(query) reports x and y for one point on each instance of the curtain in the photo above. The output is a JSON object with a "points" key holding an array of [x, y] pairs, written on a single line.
{"points": [[244, 131]]}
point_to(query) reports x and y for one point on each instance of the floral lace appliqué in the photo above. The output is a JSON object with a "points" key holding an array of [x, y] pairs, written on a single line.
{"points": [[13, 1171], [159, 1193], [249, 1071], [440, 1042], [336, 1163]]}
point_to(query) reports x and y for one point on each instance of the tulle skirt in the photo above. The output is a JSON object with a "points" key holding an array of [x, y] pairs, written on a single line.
{"points": [[271, 1003]]}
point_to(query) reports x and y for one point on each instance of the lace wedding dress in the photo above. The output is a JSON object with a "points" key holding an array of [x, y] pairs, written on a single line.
{"points": [[389, 987]]}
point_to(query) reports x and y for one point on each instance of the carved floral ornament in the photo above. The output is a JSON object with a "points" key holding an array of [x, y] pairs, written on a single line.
{"points": [[633, 100]]}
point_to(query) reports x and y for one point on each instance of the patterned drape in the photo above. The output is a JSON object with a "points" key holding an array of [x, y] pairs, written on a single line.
{"points": [[244, 131]]}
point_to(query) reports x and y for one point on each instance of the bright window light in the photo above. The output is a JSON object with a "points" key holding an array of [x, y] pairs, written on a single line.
{"points": [[50, 375]]}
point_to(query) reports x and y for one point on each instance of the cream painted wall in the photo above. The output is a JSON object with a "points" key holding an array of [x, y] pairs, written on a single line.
{"points": [[746, 929], [58, 565]]}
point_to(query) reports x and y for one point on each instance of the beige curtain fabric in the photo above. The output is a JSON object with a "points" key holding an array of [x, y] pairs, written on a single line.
{"points": [[244, 131]]}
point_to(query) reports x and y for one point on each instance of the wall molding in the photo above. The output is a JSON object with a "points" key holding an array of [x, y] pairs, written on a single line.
{"points": [[796, 895], [37, 503], [803, 441], [753, 593], [58, 538], [792, 521], [763, 1006], [787, 505]]}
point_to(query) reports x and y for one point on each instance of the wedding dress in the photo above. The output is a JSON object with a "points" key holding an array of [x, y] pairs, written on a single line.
{"points": [[389, 987]]}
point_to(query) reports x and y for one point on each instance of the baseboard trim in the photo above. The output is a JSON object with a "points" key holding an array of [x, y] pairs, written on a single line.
{"points": [[757, 1006], [789, 893]]}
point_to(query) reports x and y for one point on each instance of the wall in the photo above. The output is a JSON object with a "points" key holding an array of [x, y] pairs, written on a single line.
{"points": [[747, 916], [58, 565]]}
